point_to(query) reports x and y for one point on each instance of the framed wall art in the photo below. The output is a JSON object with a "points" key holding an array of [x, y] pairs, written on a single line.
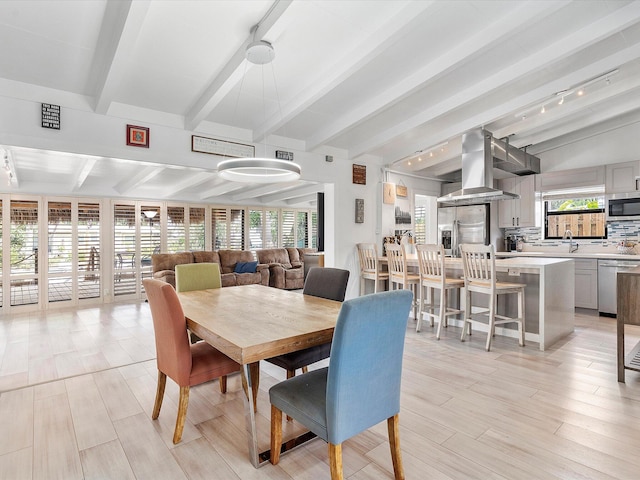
{"points": [[214, 146], [359, 210], [137, 136], [360, 174], [388, 193]]}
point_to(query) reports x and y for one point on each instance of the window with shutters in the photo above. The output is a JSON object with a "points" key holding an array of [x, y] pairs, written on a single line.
{"points": [[124, 249], [263, 229], [176, 231], [149, 238], [59, 251], [314, 229], [219, 228], [24, 252], [196, 228], [288, 228], [420, 224], [228, 228], [302, 229], [88, 238]]}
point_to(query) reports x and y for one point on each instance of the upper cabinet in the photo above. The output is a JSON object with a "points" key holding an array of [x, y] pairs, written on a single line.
{"points": [[520, 212], [621, 177]]}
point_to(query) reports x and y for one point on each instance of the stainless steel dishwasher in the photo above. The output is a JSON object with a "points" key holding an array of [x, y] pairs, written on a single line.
{"points": [[607, 280]]}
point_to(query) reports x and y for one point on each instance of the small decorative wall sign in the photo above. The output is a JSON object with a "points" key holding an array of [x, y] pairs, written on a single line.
{"points": [[137, 136], [51, 116], [359, 210], [360, 174], [282, 155], [214, 146], [401, 190]]}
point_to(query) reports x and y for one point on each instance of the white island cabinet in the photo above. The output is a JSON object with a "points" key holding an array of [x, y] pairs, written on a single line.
{"points": [[549, 296]]}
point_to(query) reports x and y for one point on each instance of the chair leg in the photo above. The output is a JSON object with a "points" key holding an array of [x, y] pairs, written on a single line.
{"points": [[432, 305], [420, 307], [521, 316], [305, 369], [492, 321], [466, 319], [393, 426], [276, 434], [182, 414], [223, 384], [162, 381], [290, 374], [335, 461], [443, 311]]}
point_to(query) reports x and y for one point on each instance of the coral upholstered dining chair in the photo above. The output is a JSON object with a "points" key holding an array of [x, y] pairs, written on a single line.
{"points": [[184, 363], [361, 386]]}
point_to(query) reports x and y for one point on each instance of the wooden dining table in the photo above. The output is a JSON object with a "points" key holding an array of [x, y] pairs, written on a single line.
{"points": [[250, 323]]}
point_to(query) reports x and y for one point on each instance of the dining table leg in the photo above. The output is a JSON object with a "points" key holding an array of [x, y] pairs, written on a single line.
{"points": [[251, 375]]}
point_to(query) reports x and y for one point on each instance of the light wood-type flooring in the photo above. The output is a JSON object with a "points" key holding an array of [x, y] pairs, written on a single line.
{"points": [[77, 389]]}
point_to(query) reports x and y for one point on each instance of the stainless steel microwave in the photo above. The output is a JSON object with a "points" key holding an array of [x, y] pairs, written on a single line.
{"points": [[623, 206]]}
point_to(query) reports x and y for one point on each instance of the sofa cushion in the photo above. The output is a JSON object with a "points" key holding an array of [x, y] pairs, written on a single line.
{"points": [[229, 258], [168, 261], [246, 267], [206, 257], [274, 255]]}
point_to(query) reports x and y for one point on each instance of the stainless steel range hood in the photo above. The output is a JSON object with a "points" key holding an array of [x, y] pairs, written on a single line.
{"points": [[481, 153]]}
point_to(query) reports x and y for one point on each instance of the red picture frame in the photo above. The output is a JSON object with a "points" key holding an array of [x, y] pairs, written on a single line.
{"points": [[137, 136]]}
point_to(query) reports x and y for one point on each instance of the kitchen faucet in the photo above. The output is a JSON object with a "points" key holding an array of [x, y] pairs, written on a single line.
{"points": [[570, 236]]}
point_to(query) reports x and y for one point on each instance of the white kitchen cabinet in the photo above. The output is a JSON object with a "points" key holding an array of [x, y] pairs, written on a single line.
{"points": [[621, 177], [520, 212], [586, 284]]}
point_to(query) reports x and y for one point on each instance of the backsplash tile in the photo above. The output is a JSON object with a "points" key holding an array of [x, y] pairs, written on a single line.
{"points": [[616, 232]]}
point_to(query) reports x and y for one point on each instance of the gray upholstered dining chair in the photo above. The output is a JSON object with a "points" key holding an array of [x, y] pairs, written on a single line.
{"points": [[361, 386], [323, 282]]}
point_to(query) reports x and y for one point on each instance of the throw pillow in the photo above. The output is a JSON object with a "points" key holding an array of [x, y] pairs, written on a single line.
{"points": [[246, 267]]}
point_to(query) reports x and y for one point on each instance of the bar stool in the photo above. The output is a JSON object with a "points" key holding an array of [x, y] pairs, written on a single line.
{"points": [[399, 273], [479, 264], [369, 266], [432, 276]]}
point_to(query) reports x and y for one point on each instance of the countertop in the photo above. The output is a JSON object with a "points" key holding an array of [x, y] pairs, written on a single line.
{"points": [[592, 255]]}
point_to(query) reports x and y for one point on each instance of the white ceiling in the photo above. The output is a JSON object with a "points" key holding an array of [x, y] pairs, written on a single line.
{"points": [[380, 78]]}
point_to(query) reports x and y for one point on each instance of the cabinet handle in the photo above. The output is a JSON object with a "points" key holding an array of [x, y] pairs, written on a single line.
{"points": [[517, 221], [513, 222]]}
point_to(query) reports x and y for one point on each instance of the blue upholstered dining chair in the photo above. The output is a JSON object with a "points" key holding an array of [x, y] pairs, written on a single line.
{"points": [[321, 282], [361, 385]]}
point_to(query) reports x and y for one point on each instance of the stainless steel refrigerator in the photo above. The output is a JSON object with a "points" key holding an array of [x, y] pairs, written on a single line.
{"points": [[464, 224]]}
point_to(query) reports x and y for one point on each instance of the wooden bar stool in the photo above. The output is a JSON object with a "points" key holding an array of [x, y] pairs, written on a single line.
{"points": [[400, 275], [369, 266], [479, 264], [432, 275]]}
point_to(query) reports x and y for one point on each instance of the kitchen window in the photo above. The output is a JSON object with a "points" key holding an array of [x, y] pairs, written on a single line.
{"points": [[580, 212]]}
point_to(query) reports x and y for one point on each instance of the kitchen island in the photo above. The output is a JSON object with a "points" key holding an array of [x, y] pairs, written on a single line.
{"points": [[549, 296]]}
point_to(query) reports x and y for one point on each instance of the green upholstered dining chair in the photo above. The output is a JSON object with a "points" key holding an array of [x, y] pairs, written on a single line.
{"points": [[361, 385], [197, 276], [185, 363], [321, 282]]}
